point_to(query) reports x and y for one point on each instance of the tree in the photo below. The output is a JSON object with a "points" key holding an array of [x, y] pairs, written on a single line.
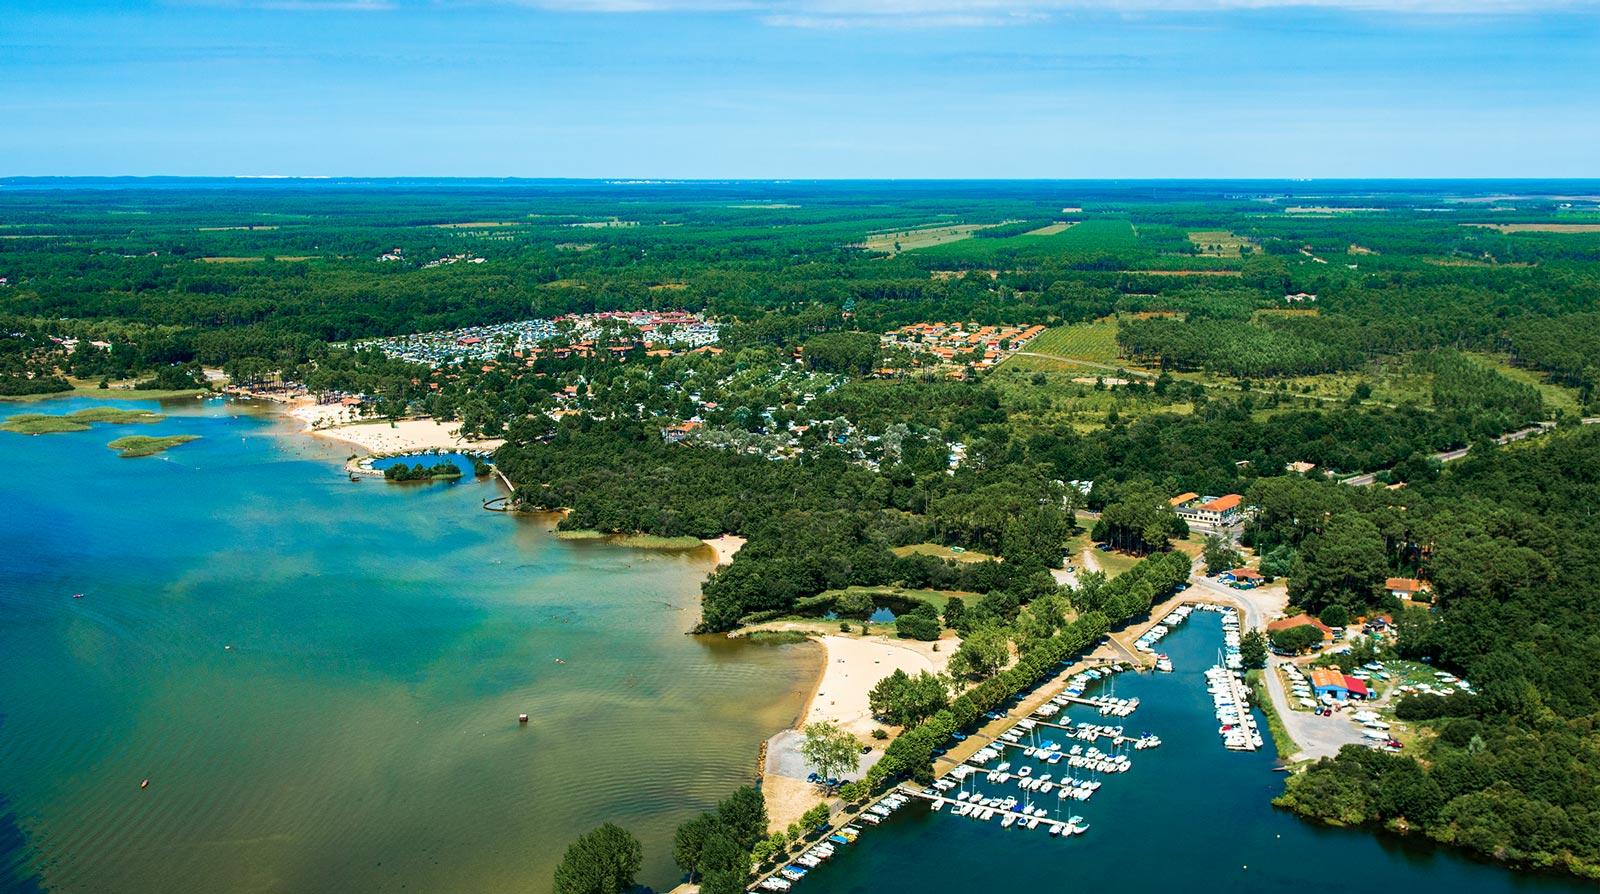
{"points": [[1345, 564], [982, 654], [1220, 555], [1295, 640], [1335, 616], [602, 861], [920, 623], [1253, 649], [905, 700], [1140, 519], [955, 612], [690, 840], [744, 815], [831, 750], [816, 817]]}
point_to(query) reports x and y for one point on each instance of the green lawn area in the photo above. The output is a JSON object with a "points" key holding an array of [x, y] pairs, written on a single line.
{"points": [[942, 551], [1112, 563], [91, 389]]}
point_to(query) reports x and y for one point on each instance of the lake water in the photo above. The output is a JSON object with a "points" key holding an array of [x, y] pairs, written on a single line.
{"points": [[1189, 816], [321, 678]]}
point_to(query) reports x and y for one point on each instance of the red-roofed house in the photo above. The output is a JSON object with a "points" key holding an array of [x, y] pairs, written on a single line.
{"points": [[1242, 578], [1222, 510], [1408, 587]]}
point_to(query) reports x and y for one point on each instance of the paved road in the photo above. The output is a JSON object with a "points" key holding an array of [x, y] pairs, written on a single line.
{"points": [[1316, 737], [1453, 455]]}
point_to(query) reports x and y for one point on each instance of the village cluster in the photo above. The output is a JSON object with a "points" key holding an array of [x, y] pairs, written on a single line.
{"points": [[580, 335], [960, 343]]}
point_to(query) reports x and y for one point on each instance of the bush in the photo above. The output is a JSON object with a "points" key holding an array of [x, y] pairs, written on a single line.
{"points": [[1295, 640], [921, 623]]}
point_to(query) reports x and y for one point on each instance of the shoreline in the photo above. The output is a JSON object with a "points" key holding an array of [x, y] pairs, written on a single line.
{"points": [[337, 422], [851, 666]]}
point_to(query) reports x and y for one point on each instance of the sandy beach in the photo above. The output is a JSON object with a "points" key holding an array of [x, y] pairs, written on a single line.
{"points": [[855, 665], [342, 423], [724, 547], [852, 666]]}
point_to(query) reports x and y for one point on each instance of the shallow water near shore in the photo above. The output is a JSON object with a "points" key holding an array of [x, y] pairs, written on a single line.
{"points": [[320, 679], [1188, 816]]}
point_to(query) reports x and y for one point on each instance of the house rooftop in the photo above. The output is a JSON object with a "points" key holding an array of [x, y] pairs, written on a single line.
{"points": [[1223, 504]]}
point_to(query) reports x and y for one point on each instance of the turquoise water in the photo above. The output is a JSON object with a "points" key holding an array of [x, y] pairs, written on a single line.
{"points": [[321, 678], [459, 460], [1189, 816]]}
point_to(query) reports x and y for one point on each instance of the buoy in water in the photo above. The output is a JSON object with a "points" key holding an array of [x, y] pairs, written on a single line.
{"points": [[522, 718]]}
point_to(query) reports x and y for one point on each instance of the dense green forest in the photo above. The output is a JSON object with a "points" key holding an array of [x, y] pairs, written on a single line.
{"points": [[1203, 337], [1509, 539]]}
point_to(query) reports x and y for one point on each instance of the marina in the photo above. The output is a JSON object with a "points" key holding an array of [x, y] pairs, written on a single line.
{"points": [[1216, 802]]}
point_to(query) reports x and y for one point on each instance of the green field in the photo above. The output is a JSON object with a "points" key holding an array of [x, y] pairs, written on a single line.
{"points": [[942, 551], [1088, 237], [1092, 342]]}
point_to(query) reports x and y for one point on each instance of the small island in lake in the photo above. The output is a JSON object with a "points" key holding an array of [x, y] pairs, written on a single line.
{"points": [[77, 420], [444, 471], [146, 445]]}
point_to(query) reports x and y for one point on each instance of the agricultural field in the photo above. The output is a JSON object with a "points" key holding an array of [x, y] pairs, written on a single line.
{"points": [[923, 237], [1094, 343], [1052, 229], [1539, 227]]}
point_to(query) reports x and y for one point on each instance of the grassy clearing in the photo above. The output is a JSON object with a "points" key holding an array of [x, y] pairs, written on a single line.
{"points": [[1557, 398], [1111, 563], [942, 551], [1218, 243], [146, 445], [922, 237], [80, 420], [478, 224], [1052, 229], [1044, 394]]}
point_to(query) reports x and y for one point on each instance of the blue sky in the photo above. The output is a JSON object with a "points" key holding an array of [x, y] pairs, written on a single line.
{"points": [[802, 88]]}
